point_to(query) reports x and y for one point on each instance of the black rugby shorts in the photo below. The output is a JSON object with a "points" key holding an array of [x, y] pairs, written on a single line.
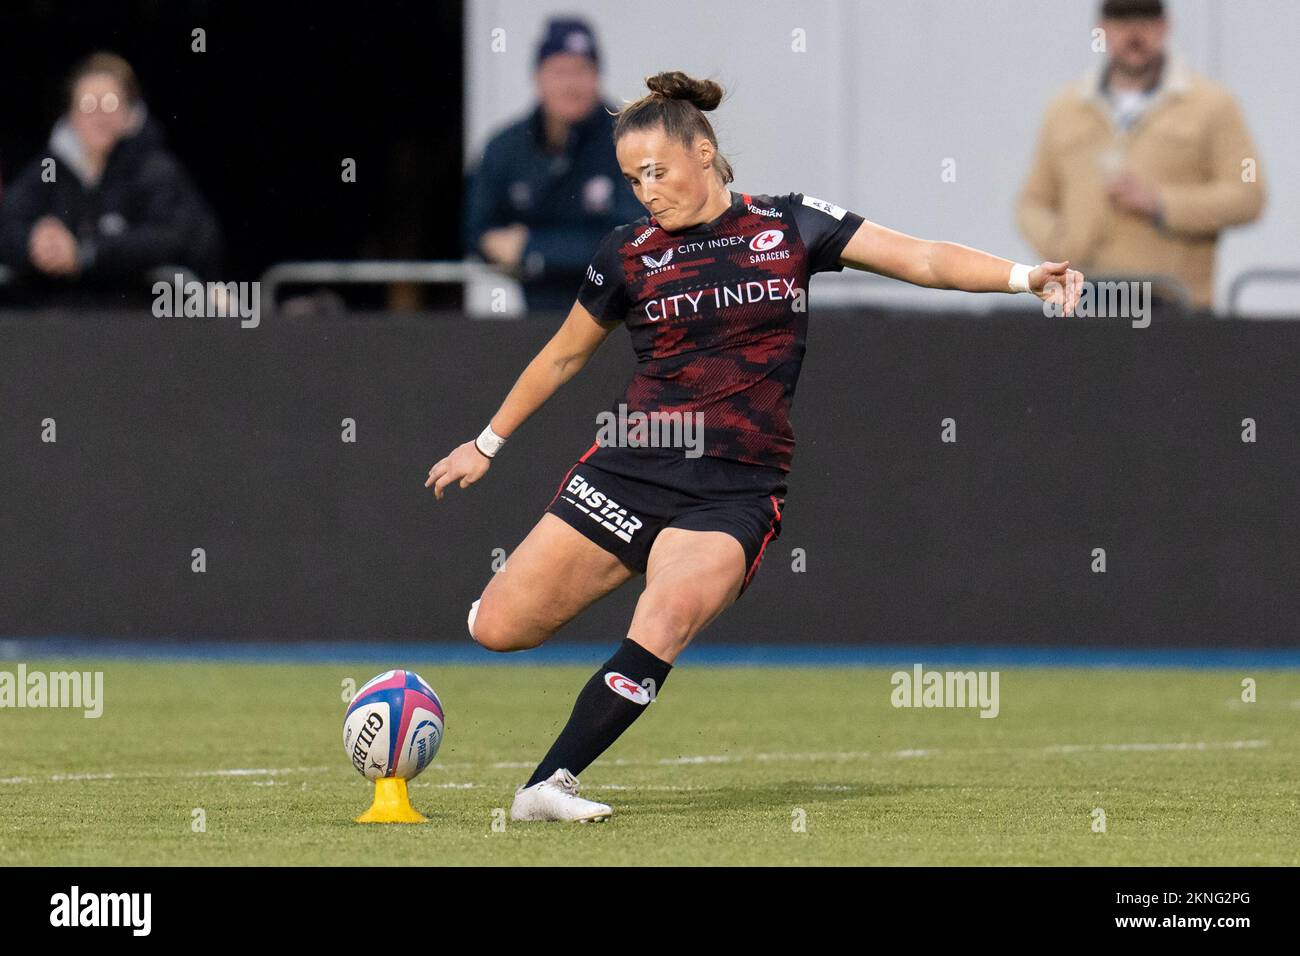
{"points": [[624, 506]]}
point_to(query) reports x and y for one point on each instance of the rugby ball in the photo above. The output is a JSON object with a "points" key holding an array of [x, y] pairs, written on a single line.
{"points": [[393, 726]]}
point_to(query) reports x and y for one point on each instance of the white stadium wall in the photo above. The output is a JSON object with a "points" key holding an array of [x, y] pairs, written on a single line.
{"points": [[888, 90]]}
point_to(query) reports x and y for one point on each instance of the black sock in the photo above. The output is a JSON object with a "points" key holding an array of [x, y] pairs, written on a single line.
{"points": [[616, 695]]}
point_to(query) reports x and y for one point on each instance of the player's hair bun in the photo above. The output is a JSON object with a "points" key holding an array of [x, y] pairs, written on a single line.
{"points": [[676, 85], [676, 102]]}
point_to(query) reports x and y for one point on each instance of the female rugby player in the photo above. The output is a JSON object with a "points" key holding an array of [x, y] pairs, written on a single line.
{"points": [[713, 287]]}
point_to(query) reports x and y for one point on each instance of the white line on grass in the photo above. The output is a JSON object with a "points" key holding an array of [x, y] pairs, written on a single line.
{"points": [[1233, 703], [158, 775], [693, 759], [1198, 745]]}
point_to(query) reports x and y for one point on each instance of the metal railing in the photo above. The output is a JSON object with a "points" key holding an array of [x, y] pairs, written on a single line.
{"points": [[1163, 286], [371, 272], [1255, 277], [467, 273], [157, 274]]}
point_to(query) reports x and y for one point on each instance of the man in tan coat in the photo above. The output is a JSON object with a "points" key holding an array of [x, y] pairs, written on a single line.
{"points": [[1142, 164]]}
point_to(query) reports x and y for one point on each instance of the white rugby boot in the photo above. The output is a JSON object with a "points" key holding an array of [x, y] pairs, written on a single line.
{"points": [[556, 798]]}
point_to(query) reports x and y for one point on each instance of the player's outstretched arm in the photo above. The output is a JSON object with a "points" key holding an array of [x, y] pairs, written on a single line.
{"points": [[948, 265], [559, 360]]}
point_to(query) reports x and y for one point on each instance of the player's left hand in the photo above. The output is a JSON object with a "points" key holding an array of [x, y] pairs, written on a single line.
{"points": [[1057, 283]]}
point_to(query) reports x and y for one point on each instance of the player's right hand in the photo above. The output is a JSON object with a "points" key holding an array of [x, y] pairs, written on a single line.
{"points": [[465, 464], [1057, 283]]}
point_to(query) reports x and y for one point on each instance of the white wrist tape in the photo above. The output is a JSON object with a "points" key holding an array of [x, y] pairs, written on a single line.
{"points": [[1019, 281], [489, 442]]}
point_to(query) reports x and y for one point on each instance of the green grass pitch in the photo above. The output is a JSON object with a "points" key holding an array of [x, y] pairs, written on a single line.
{"points": [[723, 769]]}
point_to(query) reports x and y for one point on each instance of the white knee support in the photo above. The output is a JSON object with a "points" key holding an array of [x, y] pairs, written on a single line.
{"points": [[473, 613]]}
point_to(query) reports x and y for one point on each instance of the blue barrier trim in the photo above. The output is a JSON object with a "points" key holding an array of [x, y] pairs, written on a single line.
{"points": [[703, 654]]}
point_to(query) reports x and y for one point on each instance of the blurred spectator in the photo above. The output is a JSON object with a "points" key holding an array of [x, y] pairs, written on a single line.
{"points": [[549, 187], [1140, 167], [109, 203]]}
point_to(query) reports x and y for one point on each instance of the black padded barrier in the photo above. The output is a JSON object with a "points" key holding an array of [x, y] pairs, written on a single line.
{"points": [[1071, 435]]}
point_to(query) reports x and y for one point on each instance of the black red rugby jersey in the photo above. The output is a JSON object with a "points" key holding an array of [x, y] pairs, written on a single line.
{"points": [[718, 315]]}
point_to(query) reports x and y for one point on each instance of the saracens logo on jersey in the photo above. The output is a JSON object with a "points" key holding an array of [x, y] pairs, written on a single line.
{"points": [[767, 239], [627, 687]]}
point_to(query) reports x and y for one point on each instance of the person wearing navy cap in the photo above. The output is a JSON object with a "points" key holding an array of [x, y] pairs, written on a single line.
{"points": [[549, 187]]}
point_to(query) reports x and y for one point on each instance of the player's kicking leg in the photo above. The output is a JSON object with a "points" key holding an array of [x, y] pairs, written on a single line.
{"points": [[553, 575], [691, 577], [546, 582]]}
